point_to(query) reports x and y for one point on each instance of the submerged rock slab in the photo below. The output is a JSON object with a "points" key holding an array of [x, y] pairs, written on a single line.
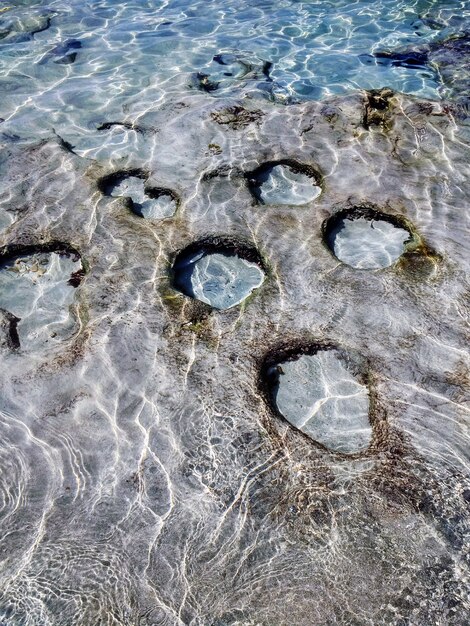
{"points": [[319, 395], [62, 54], [23, 23], [164, 473], [217, 279], [366, 242], [38, 290], [157, 208], [448, 57], [228, 71]]}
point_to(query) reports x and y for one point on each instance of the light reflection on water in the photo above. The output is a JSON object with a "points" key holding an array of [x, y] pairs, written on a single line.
{"points": [[134, 55], [144, 479]]}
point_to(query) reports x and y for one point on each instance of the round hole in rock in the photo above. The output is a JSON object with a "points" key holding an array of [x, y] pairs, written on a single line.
{"points": [[365, 238], [285, 183], [218, 271], [159, 203], [147, 202], [319, 391], [37, 287]]}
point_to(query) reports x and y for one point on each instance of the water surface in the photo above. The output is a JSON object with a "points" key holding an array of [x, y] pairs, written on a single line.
{"points": [[145, 476], [72, 67]]}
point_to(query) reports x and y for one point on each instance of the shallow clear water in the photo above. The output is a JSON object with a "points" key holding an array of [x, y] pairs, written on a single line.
{"points": [[130, 187], [367, 244], [133, 187], [133, 55], [280, 185], [36, 290], [146, 479]]}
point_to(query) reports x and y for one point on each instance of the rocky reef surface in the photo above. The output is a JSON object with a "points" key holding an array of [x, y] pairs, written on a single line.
{"points": [[146, 477]]}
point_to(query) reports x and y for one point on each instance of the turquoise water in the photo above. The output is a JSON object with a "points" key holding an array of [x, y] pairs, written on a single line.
{"points": [[70, 67]]}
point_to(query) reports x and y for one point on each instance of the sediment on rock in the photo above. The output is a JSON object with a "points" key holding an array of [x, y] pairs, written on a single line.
{"points": [[377, 108]]}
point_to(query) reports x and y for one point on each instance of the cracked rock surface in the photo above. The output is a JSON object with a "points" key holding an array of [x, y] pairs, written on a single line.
{"points": [[318, 395]]}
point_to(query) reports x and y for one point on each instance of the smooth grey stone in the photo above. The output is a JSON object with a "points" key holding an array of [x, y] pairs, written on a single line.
{"points": [[220, 280], [319, 396], [157, 208], [133, 187], [36, 290]]}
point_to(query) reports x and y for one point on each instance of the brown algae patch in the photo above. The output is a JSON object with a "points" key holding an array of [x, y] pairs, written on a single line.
{"points": [[236, 117]]}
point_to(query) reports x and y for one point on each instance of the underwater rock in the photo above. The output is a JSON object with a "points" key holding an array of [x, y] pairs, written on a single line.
{"points": [[318, 394], [22, 24], [284, 183], [63, 53], [147, 202], [126, 125], [251, 500], [127, 186], [227, 68], [36, 290], [366, 239], [204, 82], [219, 275], [159, 203], [9, 330], [239, 66], [281, 93], [413, 59], [377, 110], [452, 59], [231, 71], [448, 59], [236, 117], [427, 23]]}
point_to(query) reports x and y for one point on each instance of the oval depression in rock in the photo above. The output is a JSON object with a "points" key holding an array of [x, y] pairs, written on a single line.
{"points": [[318, 394], [218, 277], [366, 239], [284, 184], [38, 289], [147, 202]]}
